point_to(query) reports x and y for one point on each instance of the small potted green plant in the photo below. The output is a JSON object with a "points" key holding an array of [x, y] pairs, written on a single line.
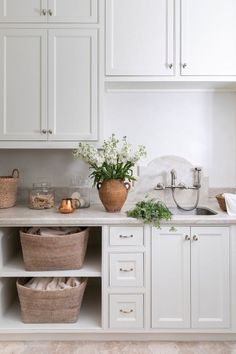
{"points": [[112, 169]]}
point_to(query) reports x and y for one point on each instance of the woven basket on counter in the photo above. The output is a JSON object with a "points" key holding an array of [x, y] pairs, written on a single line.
{"points": [[52, 306], [221, 200], [8, 189], [54, 252]]}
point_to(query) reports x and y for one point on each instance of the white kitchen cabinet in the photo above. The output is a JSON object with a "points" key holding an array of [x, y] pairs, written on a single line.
{"points": [[58, 69], [23, 88], [171, 278], [82, 11], [72, 82], [210, 277], [208, 37], [75, 11], [139, 37], [190, 261], [23, 11]]}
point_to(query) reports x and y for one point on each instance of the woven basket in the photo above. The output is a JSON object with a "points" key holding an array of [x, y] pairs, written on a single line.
{"points": [[54, 252], [54, 306], [221, 200], [8, 189]]}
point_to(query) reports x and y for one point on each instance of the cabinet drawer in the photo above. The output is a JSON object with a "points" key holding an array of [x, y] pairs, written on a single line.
{"points": [[126, 269], [126, 311], [126, 236]]}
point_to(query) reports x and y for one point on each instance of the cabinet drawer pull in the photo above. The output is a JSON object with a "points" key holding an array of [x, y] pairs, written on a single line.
{"points": [[170, 66], [187, 238], [44, 131], [126, 311], [195, 238], [126, 236], [50, 12], [50, 131], [184, 65], [44, 12], [126, 270]]}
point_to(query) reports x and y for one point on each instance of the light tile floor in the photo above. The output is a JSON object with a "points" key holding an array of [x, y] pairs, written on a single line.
{"points": [[117, 347]]}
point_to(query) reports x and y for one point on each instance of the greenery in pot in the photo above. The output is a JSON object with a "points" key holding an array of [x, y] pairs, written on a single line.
{"points": [[114, 160], [150, 211]]}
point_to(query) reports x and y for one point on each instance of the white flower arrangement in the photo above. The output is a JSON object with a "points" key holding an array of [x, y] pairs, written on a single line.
{"points": [[112, 161]]}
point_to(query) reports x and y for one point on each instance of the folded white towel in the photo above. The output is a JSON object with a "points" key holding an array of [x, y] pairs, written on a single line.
{"points": [[52, 283], [230, 200]]}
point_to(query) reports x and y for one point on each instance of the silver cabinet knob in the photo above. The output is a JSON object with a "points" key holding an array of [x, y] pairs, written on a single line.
{"points": [[195, 238], [187, 238], [44, 12], [126, 311], [184, 65], [50, 131], [44, 131], [50, 12], [170, 66]]}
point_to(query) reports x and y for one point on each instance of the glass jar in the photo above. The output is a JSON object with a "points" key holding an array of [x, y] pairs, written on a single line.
{"points": [[41, 196], [80, 192]]}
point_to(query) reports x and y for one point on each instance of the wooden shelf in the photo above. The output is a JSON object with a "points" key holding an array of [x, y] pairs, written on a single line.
{"points": [[89, 319], [91, 268]]}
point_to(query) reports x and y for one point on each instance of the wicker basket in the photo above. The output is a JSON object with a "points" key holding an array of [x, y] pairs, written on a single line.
{"points": [[54, 252], [8, 189], [221, 200], [54, 306]]}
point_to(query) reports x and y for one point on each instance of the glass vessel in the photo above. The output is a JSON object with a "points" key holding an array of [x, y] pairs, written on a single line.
{"points": [[41, 196]]}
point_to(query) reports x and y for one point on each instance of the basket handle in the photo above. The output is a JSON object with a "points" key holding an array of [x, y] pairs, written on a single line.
{"points": [[15, 173]]}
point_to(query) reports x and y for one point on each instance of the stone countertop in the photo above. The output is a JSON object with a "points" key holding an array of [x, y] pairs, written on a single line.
{"points": [[21, 215]]}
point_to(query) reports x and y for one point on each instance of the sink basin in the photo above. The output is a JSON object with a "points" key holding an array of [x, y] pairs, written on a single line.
{"points": [[197, 211]]}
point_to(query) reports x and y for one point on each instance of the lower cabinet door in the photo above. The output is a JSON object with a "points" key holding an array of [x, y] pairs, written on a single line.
{"points": [[126, 311], [171, 277], [210, 295]]}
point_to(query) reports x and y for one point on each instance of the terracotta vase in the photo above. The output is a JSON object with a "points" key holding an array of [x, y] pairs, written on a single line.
{"points": [[113, 194]]}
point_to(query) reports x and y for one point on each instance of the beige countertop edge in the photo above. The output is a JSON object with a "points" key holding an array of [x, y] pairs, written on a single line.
{"points": [[21, 215]]}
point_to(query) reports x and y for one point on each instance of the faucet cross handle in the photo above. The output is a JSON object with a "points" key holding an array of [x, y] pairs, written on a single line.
{"points": [[173, 177]]}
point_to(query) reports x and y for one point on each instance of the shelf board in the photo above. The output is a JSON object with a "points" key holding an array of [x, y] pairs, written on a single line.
{"points": [[89, 318], [91, 268]]}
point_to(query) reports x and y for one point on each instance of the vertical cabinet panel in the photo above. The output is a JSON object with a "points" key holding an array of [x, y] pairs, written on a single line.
{"points": [[170, 278], [23, 10], [23, 85], [208, 40], [83, 11], [73, 106], [139, 37], [210, 277]]}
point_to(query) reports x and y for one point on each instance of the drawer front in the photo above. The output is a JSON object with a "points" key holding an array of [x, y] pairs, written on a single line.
{"points": [[126, 236], [126, 269], [126, 311]]}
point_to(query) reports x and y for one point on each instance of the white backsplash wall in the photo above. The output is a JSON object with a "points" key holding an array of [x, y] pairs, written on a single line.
{"points": [[199, 126]]}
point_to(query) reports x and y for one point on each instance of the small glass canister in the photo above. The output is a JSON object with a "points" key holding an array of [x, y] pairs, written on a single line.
{"points": [[41, 196], [80, 192]]}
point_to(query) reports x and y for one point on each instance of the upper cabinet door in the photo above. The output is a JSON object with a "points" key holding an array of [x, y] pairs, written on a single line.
{"points": [[210, 277], [171, 277], [23, 84], [82, 11], [208, 34], [23, 10], [140, 37], [73, 80]]}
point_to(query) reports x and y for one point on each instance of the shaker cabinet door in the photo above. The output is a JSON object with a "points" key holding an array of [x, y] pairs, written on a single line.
{"points": [[72, 75], [208, 37], [171, 277], [210, 277], [81, 11], [139, 37], [23, 10], [23, 84]]}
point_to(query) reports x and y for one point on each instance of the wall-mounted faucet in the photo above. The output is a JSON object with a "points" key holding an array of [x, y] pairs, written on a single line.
{"points": [[196, 186], [181, 185]]}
